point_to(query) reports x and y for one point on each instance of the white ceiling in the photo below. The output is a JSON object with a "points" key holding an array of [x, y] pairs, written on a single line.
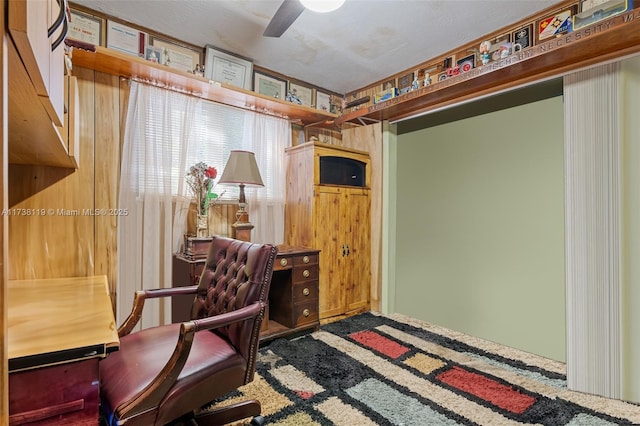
{"points": [[359, 44]]}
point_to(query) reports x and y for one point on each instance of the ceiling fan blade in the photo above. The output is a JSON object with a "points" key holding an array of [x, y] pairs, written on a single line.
{"points": [[285, 16]]}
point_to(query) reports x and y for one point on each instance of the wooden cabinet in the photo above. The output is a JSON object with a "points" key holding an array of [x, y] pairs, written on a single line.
{"points": [[334, 197], [36, 27], [38, 99]]}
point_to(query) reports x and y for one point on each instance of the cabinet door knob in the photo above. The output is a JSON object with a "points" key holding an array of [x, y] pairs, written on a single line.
{"points": [[283, 262], [306, 312], [306, 273], [305, 259], [305, 291]]}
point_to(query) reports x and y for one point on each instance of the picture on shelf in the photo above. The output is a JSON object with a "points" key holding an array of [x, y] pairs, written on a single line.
{"points": [[523, 36], [404, 83], [153, 54], [86, 28], [323, 101], [300, 94], [226, 68], [177, 56], [556, 24], [269, 85]]}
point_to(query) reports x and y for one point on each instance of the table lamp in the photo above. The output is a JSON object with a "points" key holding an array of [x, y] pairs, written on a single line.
{"points": [[241, 168]]}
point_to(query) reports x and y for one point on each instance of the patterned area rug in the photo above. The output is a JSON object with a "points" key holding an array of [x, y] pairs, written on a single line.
{"points": [[392, 370]]}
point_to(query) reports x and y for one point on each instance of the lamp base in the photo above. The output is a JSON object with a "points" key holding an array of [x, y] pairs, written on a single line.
{"points": [[242, 231]]}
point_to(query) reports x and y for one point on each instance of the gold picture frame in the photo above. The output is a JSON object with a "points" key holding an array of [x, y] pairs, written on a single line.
{"points": [[178, 56]]}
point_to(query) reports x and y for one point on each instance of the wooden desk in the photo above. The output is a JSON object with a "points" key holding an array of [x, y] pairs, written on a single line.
{"points": [[58, 329], [293, 297]]}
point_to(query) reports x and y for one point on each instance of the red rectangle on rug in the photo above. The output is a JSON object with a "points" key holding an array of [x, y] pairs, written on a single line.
{"points": [[380, 343], [485, 388]]}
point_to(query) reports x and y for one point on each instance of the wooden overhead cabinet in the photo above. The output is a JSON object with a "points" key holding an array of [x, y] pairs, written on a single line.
{"points": [[328, 208], [40, 102]]}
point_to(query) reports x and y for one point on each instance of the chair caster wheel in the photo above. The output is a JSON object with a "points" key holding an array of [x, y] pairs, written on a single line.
{"points": [[257, 421]]}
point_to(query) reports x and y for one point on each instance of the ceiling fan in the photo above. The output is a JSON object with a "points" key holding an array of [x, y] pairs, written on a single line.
{"points": [[289, 11]]}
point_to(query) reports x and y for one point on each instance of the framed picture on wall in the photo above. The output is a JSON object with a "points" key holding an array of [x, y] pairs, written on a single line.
{"points": [[323, 101], [523, 36], [301, 92], [226, 68], [389, 84], [86, 28], [153, 54], [178, 56], [558, 23], [125, 39], [269, 85], [404, 83]]}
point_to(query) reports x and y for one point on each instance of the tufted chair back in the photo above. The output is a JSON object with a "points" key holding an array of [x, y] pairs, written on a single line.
{"points": [[233, 277]]}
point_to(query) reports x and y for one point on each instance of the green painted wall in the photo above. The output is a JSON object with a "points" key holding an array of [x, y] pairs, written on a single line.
{"points": [[480, 226]]}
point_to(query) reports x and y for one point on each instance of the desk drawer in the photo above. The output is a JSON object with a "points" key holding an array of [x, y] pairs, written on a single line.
{"points": [[59, 394], [283, 262], [302, 273], [305, 312], [305, 260], [305, 290]]}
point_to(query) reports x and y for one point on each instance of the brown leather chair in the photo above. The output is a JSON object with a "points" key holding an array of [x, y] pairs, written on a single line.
{"points": [[164, 375]]}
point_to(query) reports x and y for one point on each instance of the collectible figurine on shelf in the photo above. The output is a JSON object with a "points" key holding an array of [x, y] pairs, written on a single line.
{"points": [[485, 46], [199, 70], [415, 85], [427, 79]]}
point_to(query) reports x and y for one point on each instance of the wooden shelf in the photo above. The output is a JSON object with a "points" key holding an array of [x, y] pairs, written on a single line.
{"points": [[116, 63], [611, 39]]}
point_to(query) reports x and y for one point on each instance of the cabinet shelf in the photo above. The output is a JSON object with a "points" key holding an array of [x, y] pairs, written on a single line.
{"points": [[614, 38], [112, 62]]}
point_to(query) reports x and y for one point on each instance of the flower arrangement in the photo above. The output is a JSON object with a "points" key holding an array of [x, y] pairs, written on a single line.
{"points": [[200, 180]]}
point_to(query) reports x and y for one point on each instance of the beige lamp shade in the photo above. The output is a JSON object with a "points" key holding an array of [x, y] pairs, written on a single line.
{"points": [[241, 168]]}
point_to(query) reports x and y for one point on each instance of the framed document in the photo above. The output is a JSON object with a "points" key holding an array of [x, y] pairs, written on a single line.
{"points": [[178, 56], [226, 68], [86, 28], [125, 39], [323, 101], [268, 85], [301, 92]]}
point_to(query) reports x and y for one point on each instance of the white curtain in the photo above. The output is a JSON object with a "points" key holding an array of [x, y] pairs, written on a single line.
{"points": [[165, 133], [147, 235], [267, 137]]}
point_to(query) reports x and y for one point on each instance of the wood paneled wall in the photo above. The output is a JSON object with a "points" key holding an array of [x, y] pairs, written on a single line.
{"points": [[61, 230]]}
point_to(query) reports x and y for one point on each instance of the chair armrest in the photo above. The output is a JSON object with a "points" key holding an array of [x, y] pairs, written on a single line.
{"points": [[138, 304], [229, 318], [165, 379]]}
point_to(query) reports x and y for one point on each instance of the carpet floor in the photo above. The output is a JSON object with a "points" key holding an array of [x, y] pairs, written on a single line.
{"points": [[392, 370]]}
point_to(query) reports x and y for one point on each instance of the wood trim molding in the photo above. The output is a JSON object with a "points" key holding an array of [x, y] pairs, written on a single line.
{"points": [[608, 40]]}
